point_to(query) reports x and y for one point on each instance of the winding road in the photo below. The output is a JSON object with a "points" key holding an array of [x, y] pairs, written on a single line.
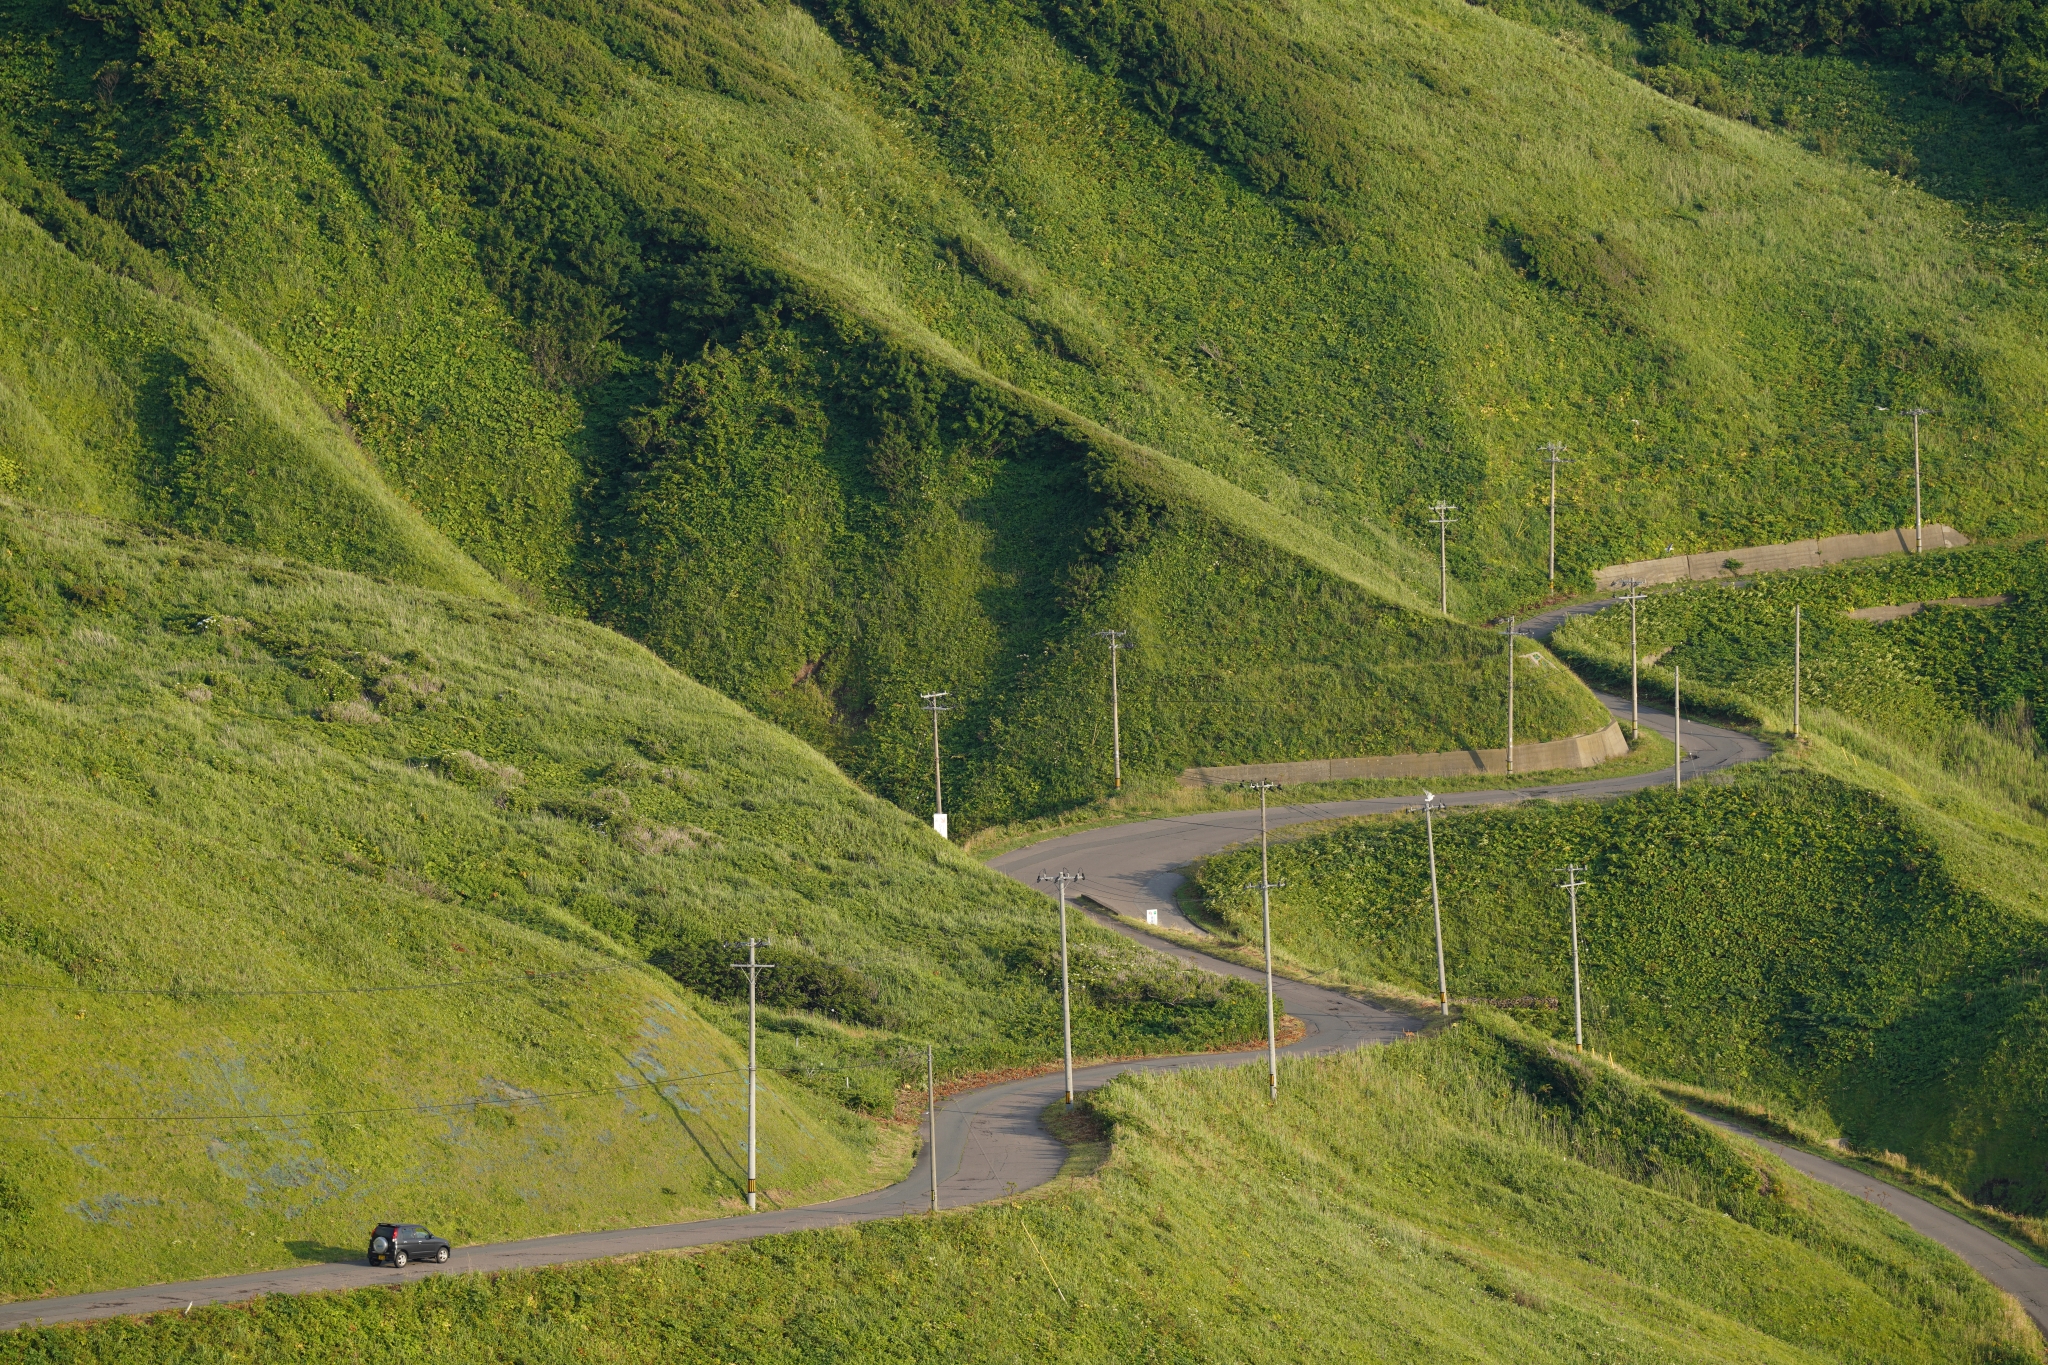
{"points": [[990, 1141], [1136, 867]]}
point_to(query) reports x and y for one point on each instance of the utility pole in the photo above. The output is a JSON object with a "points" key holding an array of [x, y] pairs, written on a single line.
{"points": [[1573, 884], [1066, 992], [1916, 414], [1442, 523], [932, 702], [753, 967], [1430, 806], [1511, 696], [1795, 671], [1116, 732], [1677, 742], [931, 1102], [1554, 453], [1635, 713], [1266, 888]]}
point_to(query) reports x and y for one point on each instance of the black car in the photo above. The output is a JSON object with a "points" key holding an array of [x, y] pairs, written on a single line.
{"points": [[400, 1244]]}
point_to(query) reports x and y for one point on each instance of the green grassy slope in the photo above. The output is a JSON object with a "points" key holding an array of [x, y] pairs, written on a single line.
{"points": [[228, 774], [1853, 929], [119, 400], [1405, 1202], [946, 264]]}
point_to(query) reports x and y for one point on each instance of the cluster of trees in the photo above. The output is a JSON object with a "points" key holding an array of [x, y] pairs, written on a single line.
{"points": [[1998, 46]]}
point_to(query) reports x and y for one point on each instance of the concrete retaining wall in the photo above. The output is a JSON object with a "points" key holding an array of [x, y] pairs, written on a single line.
{"points": [[1580, 751], [1905, 609], [1801, 554]]}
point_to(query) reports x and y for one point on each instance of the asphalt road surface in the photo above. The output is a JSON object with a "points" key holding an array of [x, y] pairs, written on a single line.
{"points": [[1135, 867], [1998, 1261], [990, 1142]]}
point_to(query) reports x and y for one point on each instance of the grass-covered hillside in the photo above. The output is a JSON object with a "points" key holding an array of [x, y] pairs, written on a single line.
{"points": [[846, 352], [1398, 1204], [330, 901], [1921, 675], [1853, 929]]}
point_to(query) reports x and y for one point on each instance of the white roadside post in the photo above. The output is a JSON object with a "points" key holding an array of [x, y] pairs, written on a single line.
{"points": [[1430, 805], [1066, 991], [1573, 885], [753, 967]]}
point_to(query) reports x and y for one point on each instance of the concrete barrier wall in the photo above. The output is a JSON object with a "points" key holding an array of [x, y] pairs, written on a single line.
{"points": [[1580, 751], [1800, 554], [1905, 609]]}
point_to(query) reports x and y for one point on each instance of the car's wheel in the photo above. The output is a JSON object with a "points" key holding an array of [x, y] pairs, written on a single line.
{"points": [[371, 1258], [441, 1256], [399, 1258]]}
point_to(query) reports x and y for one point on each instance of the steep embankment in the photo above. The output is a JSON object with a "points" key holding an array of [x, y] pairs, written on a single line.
{"points": [[1459, 1186], [807, 345], [330, 901]]}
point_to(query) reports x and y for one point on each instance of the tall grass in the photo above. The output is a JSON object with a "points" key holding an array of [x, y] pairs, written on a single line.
{"points": [[1477, 1195], [226, 773]]}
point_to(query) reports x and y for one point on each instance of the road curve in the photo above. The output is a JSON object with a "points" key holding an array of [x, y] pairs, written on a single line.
{"points": [[1990, 1255], [991, 1144], [1135, 867]]}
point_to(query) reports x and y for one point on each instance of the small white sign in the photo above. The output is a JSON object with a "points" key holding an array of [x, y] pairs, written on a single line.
{"points": [[939, 823], [1152, 915]]}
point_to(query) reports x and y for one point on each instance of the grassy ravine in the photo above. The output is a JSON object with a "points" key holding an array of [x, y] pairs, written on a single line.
{"points": [[851, 350], [227, 773], [1397, 1204]]}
